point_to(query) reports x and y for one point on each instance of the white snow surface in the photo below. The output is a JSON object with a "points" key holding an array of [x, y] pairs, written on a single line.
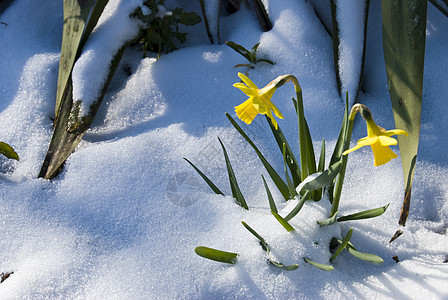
{"points": [[113, 30], [351, 16], [124, 217]]}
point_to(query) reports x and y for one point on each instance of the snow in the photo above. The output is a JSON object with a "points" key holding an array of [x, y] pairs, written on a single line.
{"points": [[124, 217], [351, 17], [113, 30]]}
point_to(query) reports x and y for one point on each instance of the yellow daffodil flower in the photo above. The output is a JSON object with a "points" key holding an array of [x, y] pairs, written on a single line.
{"points": [[259, 101], [379, 140]]}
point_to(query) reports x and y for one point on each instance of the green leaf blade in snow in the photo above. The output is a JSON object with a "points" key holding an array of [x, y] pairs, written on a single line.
{"points": [[371, 258], [282, 221], [367, 214], [217, 255], [404, 36], [8, 151], [206, 179], [319, 266], [278, 181], [236, 192]]}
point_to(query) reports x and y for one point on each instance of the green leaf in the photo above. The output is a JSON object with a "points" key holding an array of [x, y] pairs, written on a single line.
{"points": [[324, 179], [262, 15], [217, 255], [282, 221], [319, 266], [8, 151], [69, 129], [367, 214], [76, 14], [293, 165], [207, 180], [291, 187], [263, 243], [343, 244], [264, 60], [329, 221], [282, 266], [236, 192], [321, 165], [278, 181], [404, 35], [189, 18], [371, 258], [340, 142], [270, 198], [240, 49], [299, 206]]}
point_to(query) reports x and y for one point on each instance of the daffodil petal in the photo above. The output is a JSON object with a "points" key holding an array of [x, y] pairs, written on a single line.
{"points": [[246, 111], [247, 81], [387, 141], [277, 111], [245, 89], [395, 132], [368, 141], [352, 149], [382, 154]]}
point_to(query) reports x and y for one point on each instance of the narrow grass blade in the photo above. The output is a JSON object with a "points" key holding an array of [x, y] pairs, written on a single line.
{"points": [[371, 258], [343, 244], [308, 148], [320, 169], [340, 142], [319, 266], [404, 28], [263, 243], [270, 198], [278, 181], [282, 221], [207, 180], [291, 187], [236, 192], [324, 179], [282, 266], [367, 214], [217, 255], [329, 221], [293, 165], [8, 151], [321, 165], [299, 206]]}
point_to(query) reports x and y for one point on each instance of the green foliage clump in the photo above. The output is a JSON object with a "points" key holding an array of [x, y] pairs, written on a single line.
{"points": [[161, 28]]}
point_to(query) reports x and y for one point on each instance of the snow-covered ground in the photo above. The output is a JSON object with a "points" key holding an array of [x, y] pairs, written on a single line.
{"points": [[124, 217]]}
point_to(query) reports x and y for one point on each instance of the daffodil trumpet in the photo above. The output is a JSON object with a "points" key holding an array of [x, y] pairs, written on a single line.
{"points": [[377, 138], [259, 102]]}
